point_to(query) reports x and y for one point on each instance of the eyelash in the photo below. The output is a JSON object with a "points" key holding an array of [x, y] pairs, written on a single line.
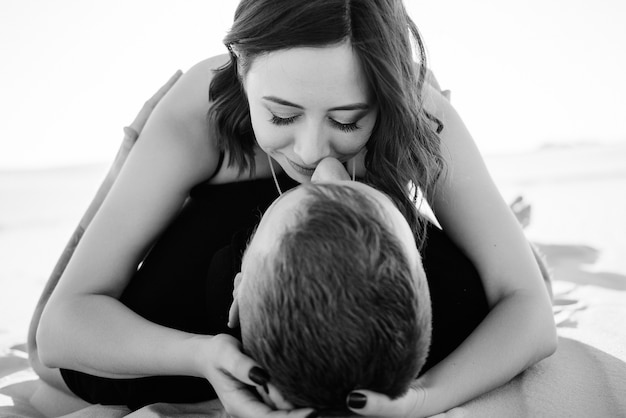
{"points": [[282, 121], [345, 127]]}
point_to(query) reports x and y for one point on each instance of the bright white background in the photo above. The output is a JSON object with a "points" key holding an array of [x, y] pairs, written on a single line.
{"points": [[522, 74]]}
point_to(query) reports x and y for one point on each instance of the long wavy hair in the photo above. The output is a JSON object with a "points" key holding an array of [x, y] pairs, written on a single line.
{"points": [[403, 156]]}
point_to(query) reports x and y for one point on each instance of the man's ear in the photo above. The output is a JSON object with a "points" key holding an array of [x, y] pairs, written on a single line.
{"points": [[237, 282], [233, 313]]}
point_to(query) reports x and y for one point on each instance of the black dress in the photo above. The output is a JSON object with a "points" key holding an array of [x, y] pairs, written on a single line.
{"points": [[186, 282]]}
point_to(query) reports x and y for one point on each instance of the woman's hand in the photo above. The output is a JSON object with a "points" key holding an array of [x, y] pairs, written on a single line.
{"points": [[368, 403], [234, 376]]}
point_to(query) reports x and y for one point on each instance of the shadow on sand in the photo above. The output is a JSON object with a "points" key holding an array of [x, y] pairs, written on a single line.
{"points": [[571, 263]]}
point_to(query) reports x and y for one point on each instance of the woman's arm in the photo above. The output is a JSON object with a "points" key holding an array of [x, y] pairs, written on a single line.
{"points": [[84, 327], [520, 329], [130, 137]]}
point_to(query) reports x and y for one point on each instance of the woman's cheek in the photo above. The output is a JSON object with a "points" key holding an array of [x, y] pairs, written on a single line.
{"points": [[268, 136]]}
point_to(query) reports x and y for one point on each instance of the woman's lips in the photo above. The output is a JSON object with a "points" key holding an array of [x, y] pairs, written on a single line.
{"points": [[300, 169]]}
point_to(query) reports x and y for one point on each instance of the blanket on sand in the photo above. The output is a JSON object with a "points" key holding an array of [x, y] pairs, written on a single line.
{"points": [[586, 377]]}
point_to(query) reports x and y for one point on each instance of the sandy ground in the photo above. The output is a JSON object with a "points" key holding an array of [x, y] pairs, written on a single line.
{"points": [[577, 193], [578, 197]]}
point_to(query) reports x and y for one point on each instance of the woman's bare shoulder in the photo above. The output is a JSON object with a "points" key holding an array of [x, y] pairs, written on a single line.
{"points": [[212, 63], [203, 71], [435, 102], [177, 128], [190, 95]]}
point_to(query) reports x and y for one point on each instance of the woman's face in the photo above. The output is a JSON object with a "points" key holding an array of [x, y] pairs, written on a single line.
{"points": [[307, 104]]}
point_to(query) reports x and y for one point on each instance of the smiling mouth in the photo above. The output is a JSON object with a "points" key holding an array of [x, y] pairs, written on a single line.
{"points": [[300, 169]]}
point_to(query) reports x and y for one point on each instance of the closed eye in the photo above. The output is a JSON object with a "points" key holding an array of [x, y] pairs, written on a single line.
{"points": [[345, 127], [277, 120]]}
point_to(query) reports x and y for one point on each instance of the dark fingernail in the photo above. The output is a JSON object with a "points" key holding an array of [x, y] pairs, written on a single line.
{"points": [[259, 376], [313, 414], [357, 400]]}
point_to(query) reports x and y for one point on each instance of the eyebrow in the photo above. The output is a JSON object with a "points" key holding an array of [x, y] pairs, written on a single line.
{"points": [[351, 106]]}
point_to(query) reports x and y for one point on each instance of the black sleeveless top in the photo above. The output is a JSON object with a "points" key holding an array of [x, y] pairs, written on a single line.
{"points": [[186, 282]]}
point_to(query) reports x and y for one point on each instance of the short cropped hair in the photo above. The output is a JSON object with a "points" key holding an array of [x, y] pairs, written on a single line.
{"points": [[340, 308]]}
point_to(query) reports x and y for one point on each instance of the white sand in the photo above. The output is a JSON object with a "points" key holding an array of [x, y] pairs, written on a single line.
{"points": [[578, 195]]}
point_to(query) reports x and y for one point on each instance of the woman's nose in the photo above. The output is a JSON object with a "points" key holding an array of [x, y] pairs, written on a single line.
{"points": [[312, 145]]}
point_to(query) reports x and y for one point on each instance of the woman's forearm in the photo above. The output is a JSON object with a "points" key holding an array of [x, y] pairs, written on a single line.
{"points": [[76, 236], [131, 134], [518, 332], [102, 337]]}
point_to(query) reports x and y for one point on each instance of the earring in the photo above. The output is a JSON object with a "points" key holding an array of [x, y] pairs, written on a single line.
{"points": [[233, 51]]}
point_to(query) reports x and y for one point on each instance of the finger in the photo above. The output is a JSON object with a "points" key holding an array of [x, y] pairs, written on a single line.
{"points": [[243, 403], [256, 409], [165, 88], [247, 405], [246, 370], [236, 369], [518, 200], [266, 398], [130, 134], [277, 398], [369, 403], [294, 413]]}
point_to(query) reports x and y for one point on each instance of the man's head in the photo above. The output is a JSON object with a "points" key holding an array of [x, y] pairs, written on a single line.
{"points": [[332, 296]]}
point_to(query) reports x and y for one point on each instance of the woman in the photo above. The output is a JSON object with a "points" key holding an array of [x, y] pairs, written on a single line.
{"points": [[304, 80]]}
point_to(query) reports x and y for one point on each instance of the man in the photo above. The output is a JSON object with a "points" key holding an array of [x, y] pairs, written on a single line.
{"points": [[332, 295]]}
